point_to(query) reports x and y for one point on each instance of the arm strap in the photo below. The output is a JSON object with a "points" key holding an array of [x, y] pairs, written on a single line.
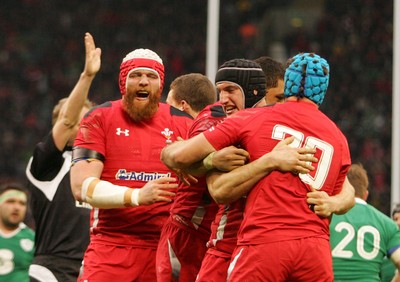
{"points": [[80, 154], [207, 161]]}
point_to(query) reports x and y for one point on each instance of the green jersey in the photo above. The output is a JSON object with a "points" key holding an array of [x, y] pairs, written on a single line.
{"points": [[16, 254], [388, 270], [360, 239]]}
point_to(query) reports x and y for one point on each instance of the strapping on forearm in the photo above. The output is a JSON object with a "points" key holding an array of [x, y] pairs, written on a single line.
{"points": [[104, 194], [207, 161]]}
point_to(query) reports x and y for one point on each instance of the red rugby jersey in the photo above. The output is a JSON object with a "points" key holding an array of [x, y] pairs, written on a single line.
{"points": [[194, 202], [132, 158], [276, 208]]}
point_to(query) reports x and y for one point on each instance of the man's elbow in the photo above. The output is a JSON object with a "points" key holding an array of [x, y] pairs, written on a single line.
{"points": [[218, 199], [346, 198], [221, 197], [346, 206], [166, 157], [68, 122], [351, 201], [77, 192], [172, 158], [76, 187]]}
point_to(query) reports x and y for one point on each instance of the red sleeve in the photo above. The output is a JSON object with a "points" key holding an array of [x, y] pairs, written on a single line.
{"points": [[228, 132], [209, 117], [91, 134]]}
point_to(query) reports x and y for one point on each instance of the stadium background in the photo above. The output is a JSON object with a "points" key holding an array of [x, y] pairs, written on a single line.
{"points": [[42, 55]]}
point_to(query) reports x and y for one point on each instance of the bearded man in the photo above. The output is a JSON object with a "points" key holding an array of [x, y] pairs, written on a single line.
{"points": [[117, 169]]}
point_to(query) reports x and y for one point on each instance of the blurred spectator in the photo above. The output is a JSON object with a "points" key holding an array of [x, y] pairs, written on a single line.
{"points": [[16, 239], [388, 269]]}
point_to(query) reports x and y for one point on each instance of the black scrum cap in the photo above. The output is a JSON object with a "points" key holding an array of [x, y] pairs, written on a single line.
{"points": [[248, 75]]}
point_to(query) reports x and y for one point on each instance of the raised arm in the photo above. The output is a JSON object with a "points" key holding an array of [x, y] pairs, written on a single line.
{"points": [[229, 187], [70, 113]]}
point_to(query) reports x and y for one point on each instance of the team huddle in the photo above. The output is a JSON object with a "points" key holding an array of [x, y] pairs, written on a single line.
{"points": [[241, 180]]}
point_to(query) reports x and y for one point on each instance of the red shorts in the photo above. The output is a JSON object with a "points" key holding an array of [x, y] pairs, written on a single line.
{"points": [[307, 259], [179, 253], [214, 267], [105, 263]]}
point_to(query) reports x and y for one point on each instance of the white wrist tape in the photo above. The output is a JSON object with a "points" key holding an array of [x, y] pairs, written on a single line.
{"points": [[104, 194], [135, 197]]}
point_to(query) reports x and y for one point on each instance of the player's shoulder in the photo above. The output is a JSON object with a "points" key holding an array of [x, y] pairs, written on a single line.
{"points": [[250, 112], [380, 215], [101, 107], [30, 233], [26, 231], [215, 110], [374, 216], [172, 111]]}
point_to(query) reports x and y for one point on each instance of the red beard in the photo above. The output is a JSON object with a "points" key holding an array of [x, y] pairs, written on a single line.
{"points": [[140, 111]]}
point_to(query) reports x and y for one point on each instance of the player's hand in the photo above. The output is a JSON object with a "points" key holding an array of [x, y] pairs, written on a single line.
{"points": [[321, 203], [185, 177], [159, 190], [93, 56], [229, 158], [296, 160]]}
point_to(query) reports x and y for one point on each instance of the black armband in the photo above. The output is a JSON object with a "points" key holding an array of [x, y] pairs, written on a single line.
{"points": [[83, 154]]}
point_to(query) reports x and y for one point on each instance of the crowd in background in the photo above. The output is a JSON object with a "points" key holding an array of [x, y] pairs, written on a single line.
{"points": [[41, 59]]}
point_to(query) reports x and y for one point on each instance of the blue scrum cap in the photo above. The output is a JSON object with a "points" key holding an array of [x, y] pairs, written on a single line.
{"points": [[307, 76]]}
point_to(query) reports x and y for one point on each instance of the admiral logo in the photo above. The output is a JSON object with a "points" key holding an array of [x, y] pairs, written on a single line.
{"points": [[125, 132], [122, 174], [167, 133]]}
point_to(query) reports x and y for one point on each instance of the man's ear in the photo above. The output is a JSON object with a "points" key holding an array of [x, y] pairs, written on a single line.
{"points": [[185, 106], [366, 195]]}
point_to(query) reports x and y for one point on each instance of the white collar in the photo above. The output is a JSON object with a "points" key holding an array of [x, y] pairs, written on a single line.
{"points": [[360, 201]]}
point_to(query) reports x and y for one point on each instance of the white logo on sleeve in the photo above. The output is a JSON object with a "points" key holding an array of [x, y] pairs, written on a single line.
{"points": [[27, 244], [120, 131]]}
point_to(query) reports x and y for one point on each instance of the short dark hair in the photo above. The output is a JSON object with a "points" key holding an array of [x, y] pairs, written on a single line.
{"points": [[196, 89], [12, 186], [396, 209], [273, 70]]}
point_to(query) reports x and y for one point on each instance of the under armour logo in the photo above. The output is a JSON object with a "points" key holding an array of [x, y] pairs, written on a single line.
{"points": [[125, 132]]}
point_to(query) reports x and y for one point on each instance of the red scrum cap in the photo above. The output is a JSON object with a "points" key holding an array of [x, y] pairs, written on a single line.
{"points": [[140, 59]]}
